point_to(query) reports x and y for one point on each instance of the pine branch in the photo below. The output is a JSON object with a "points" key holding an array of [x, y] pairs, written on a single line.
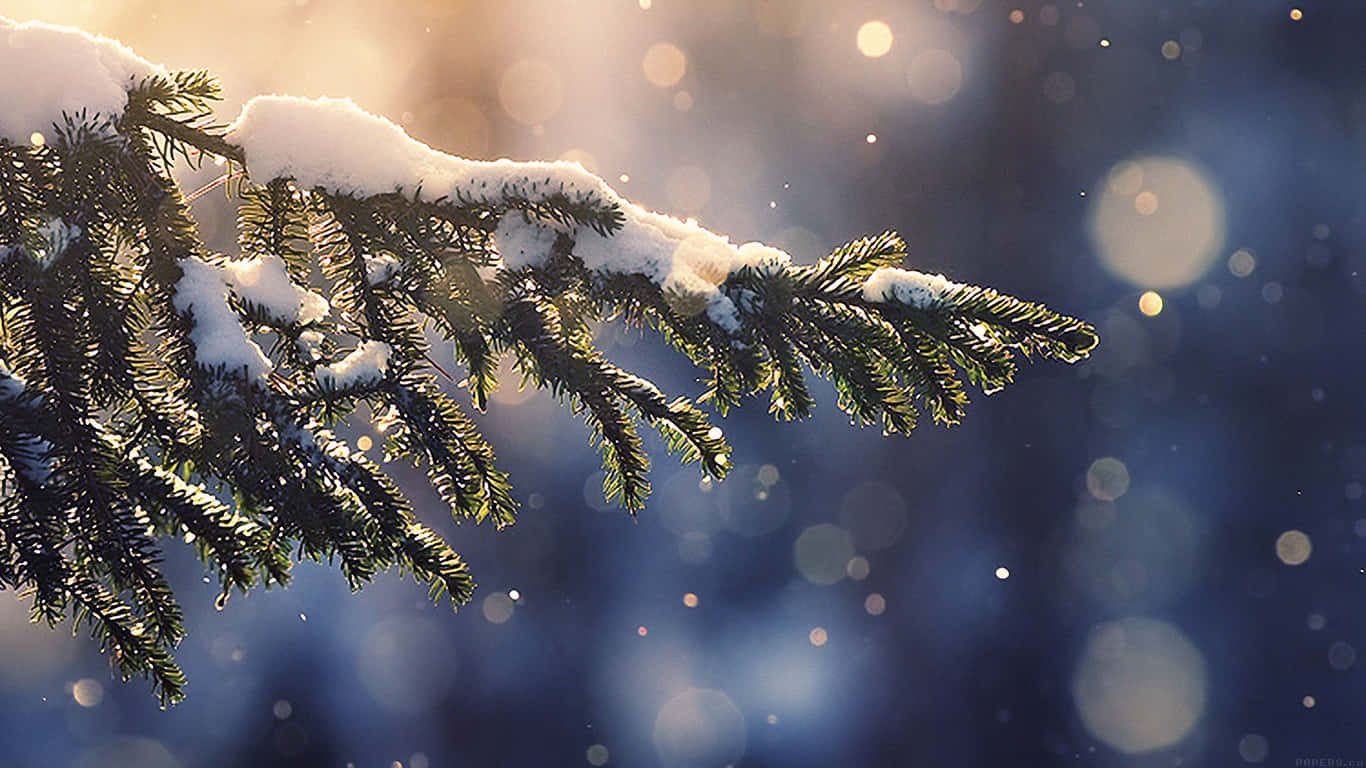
{"points": [[150, 391]]}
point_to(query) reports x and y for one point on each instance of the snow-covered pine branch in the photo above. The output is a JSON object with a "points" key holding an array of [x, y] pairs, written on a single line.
{"points": [[132, 358]]}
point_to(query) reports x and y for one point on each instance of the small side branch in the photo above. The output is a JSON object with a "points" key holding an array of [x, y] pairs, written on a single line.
{"points": [[204, 141]]}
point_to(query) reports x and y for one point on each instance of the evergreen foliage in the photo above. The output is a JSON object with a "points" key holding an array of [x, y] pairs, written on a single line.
{"points": [[115, 437]]}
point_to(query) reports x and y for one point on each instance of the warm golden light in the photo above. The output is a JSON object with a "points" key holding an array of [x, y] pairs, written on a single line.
{"points": [[664, 64], [1140, 685], [1296, 14], [1158, 223], [37, 139], [87, 692], [1003, 573], [819, 637], [875, 39], [1293, 547], [1150, 303], [690, 600]]}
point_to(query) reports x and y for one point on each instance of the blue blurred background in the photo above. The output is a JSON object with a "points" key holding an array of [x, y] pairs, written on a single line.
{"points": [[1153, 558]]}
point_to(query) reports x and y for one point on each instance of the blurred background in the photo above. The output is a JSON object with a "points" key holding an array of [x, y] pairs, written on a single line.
{"points": [[1154, 558]]}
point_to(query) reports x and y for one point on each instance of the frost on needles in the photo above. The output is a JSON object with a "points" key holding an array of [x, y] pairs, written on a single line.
{"points": [[151, 389]]}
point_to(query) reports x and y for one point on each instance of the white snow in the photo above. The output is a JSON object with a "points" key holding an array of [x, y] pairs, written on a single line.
{"points": [[264, 281], [523, 241], [310, 343], [366, 363], [380, 268], [916, 289], [336, 145], [218, 335], [47, 70]]}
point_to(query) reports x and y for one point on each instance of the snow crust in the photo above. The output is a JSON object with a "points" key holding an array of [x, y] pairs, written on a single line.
{"points": [[336, 145], [367, 363], [916, 289], [264, 281], [218, 335], [47, 70]]}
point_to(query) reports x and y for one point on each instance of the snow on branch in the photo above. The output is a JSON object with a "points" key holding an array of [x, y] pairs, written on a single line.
{"points": [[914, 289], [218, 336], [264, 283], [49, 72], [337, 146], [53, 72], [366, 364]]}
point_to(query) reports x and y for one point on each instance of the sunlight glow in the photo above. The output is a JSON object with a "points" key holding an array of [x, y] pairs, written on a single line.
{"points": [[875, 39]]}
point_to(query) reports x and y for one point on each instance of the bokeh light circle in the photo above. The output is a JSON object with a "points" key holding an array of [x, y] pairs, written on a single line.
{"points": [[1107, 478], [875, 39], [699, 727], [1294, 547], [935, 76], [1341, 656], [821, 553], [87, 692], [1253, 748], [664, 64], [1140, 685], [1158, 222], [498, 608]]}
